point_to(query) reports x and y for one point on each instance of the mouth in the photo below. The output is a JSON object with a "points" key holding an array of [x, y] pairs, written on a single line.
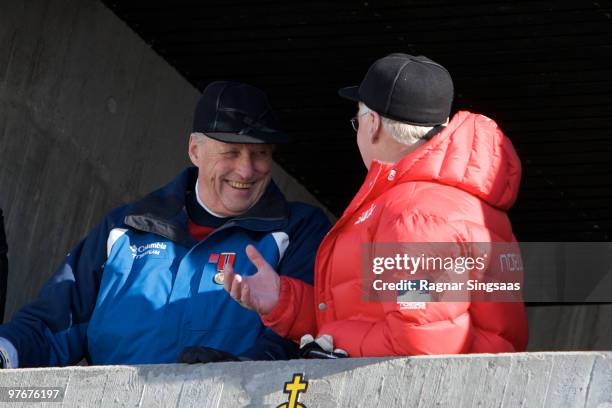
{"points": [[240, 185]]}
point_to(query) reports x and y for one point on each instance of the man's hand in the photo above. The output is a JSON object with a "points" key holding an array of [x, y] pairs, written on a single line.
{"points": [[258, 292]]}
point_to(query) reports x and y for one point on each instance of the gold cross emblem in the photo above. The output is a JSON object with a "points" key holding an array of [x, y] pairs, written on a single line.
{"points": [[294, 388]]}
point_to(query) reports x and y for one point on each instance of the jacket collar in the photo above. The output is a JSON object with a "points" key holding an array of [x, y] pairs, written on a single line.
{"points": [[470, 154], [163, 211]]}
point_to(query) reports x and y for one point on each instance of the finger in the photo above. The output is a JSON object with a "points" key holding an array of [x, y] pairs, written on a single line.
{"points": [[228, 277], [244, 293], [256, 258], [245, 296], [236, 287]]}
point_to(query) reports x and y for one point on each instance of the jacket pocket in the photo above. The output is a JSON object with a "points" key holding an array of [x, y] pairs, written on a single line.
{"points": [[350, 304], [212, 308]]}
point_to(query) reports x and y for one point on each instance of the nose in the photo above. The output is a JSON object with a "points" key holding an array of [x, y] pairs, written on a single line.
{"points": [[245, 166]]}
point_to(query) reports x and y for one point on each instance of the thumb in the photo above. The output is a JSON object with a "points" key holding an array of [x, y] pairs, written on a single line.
{"points": [[256, 258], [228, 277]]}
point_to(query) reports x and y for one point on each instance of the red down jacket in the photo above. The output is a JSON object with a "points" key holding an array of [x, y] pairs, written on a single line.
{"points": [[456, 187]]}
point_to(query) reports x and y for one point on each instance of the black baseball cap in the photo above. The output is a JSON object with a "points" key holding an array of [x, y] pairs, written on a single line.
{"points": [[406, 88], [234, 112]]}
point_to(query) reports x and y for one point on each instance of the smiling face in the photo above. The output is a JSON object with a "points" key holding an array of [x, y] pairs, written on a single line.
{"points": [[232, 177]]}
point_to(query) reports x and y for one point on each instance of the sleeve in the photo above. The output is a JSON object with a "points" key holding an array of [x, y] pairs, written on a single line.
{"points": [[51, 330], [435, 328], [271, 346], [294, 314]]}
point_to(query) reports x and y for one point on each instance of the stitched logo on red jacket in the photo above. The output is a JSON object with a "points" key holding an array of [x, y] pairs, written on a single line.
{"points": [[366, 214]]}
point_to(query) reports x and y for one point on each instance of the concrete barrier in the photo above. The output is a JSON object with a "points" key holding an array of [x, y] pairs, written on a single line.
{"points": [[575, 379]]}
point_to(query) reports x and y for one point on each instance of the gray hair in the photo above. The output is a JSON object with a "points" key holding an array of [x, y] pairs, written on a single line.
{"points": [[199, 137], [404, 133]]}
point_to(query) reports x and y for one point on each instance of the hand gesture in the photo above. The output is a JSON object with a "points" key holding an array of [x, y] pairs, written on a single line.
{"points": [[257, 292]]}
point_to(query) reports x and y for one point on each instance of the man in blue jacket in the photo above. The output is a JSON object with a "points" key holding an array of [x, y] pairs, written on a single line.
{"points": [[147, 283]]}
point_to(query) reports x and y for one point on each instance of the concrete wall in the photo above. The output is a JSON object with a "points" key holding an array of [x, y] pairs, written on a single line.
{"points": [[90, 118], [508, 380]]}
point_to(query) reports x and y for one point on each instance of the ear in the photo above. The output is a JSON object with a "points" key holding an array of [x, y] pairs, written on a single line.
{"points": [[194, 150], [375, 128]]}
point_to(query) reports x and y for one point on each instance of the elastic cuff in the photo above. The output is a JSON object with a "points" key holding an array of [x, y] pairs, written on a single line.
{"points": [[275, 315]]}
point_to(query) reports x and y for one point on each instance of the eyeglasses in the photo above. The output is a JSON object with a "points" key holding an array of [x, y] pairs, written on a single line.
{"points": [[355, 120]]}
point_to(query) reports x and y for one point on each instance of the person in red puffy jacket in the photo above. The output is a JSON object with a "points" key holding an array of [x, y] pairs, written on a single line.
{"points": [[430, 179]]}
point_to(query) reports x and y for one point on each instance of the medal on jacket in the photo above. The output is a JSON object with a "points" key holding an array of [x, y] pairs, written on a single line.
{"points": [[223, 259]]}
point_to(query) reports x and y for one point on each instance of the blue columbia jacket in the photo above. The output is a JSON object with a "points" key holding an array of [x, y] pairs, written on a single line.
{"points": [[139, 288]]}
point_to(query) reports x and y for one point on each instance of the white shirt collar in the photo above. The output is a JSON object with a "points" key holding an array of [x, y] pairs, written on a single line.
{"points": [[202, 203]]}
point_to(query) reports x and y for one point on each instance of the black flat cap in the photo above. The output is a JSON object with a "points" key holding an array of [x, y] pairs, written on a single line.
{"points": [[406, 88], [234, 112]]}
